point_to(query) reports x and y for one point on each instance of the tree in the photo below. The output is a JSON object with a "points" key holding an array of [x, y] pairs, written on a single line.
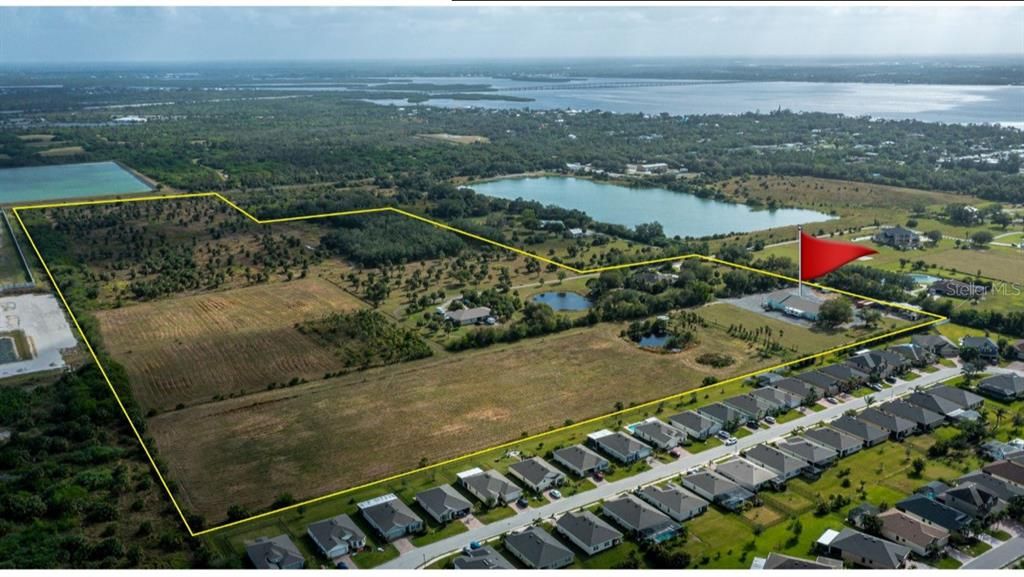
{"points": [[917, 467], [834, 312], [934, 235], [981, 238]]}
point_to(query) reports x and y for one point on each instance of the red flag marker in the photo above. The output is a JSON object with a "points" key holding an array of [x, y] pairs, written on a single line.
{"points": [[819, 257]]}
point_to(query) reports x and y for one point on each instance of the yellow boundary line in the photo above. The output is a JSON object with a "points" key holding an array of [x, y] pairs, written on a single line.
{"points": [[935, 319]]}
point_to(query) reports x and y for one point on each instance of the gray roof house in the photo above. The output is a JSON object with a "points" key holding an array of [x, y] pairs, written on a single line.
{"points": [[858, 548], [916, 355], [813, 453], [926, 420], [727, 416], [870, 433], [695, 424], [747, 406], [847, 376], [898, 427], [336, 536], [784, 464], [975, 500], [274, 553], [468, 316], [674, 501], [1003, 387], [717, 489], [994, 485], [962, 397], [986, 347], [537, 549], [918, 536], [443, 503], [897, 237], [588, 532], [580, 460], [825, 384], [483, 558], [640, 519], [792, 304], [798, 388], [491, 487], [788, 563], [390, 517], [781, 399], [934, 403], [620, 446], [537, 474], [935, 513], [659, 434], [936, 344], [871, 363], [844, 444], [898, 362], [747, 474]]}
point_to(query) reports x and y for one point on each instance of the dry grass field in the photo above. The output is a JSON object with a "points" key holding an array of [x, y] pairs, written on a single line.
{"points": [[325, 436], [834, 194], [457, 138], [190, 349], [999, 263]]}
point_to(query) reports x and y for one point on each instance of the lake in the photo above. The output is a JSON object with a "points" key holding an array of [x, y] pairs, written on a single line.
{"points": [[927, 102], [66, 181], [653, 341], [563, 301], [679, 214]]}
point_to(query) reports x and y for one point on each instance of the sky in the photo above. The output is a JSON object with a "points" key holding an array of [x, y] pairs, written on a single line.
{"points": [[113, 34]]}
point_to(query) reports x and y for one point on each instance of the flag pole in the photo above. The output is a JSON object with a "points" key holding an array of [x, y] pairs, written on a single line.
{"points": [[800, 258]]}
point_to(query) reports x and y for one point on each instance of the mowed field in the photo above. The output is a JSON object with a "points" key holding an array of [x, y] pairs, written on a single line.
{"points": [[188, 350], [325, 436]]}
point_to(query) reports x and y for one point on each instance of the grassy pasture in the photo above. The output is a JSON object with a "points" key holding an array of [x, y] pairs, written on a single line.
{"points": [[189, 349]]}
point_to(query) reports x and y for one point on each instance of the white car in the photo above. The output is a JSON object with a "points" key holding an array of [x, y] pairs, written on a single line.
{"points": [[730, 441], [555, 494]]}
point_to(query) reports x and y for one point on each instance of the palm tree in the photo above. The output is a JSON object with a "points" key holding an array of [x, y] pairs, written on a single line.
{"points": [[1000, 413], [869, 400]]}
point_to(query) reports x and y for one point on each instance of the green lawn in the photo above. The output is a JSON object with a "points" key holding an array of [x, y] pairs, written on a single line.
{"points": [[976, 548], [438, 533], [947, 563], [618, 472], [495, 514], [999, 534]]}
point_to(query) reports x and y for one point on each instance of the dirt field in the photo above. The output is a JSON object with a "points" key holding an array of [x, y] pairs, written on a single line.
{"points": [[457, 138], [312, 439], [189, 349]]}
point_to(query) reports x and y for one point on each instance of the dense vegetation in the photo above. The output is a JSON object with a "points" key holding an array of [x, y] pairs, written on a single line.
{"points": [[366, 338], [379, 239]]}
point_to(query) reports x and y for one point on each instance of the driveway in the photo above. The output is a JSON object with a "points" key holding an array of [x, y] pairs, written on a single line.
{"points": [[998, 557], [424, 555]]}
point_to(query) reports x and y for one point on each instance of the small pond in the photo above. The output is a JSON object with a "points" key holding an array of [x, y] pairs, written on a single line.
{"points": [[655, 341], [563, 301], [923, 278]]}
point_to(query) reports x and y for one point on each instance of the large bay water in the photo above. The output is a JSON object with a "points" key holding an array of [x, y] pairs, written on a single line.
{"points": [[64, 181], [927, 102], [679, 214]]}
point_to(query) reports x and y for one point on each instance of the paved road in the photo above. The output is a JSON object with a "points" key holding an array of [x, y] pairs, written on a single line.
{"points": [[428, 553], [998, 557]]}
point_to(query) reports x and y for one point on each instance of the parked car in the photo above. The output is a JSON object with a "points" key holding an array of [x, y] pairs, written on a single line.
{"points": [[770, 420], [342, 565], [555, 494], [598, 476], [730, 441], [831, 400]]}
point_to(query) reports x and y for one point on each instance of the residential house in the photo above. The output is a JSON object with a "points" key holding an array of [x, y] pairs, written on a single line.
{"points": [[863, 550], [844, 444], [747, 474], [537, 549], [869, 433], [932, 489], [973, 499], [997, 450], [858, 514], [728, 417], [998, 487], [695, 425], [674, 501], [934, 403], [924, 419], [537, 474], [717, 489], [336, 536], [620, 446], [784, 464], [580, 460], [444, 503], [798, 388], [781, 399], [898, 363], [898, 427], [848, 377], [782, 562], [483, 558], [897, 237], [471, 316], [767, 379], [957, 289], [916, 535], [390, 517], [1003, 387], [655, 432], [1010, 471], [986, 347], [870, 363], [802, 448], [640, 519], [792, 304], [274, 553], [825, 384], [490, 487], [937, 345], [916, 355], [935, 513], [748, 407], [962, 397], [588, 532]]}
